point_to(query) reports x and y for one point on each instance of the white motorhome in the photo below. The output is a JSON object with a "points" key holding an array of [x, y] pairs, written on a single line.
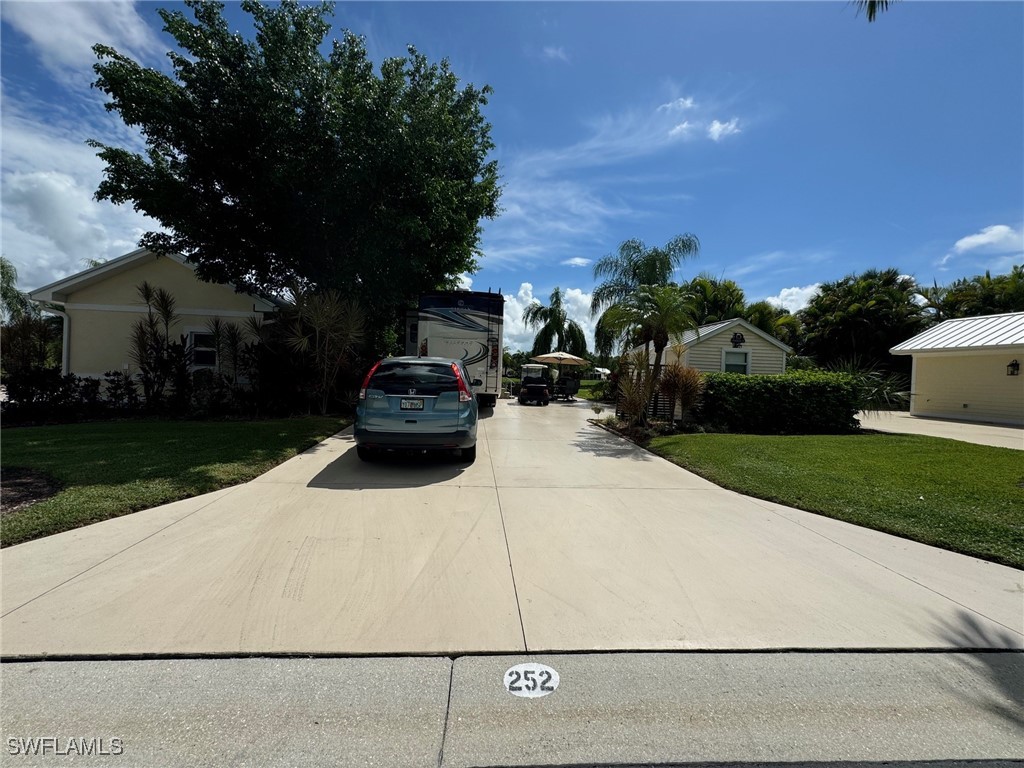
{"points": [[462, 325]]}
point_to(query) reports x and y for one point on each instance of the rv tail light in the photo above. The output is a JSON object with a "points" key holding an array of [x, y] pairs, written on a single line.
{"points": [[366, 381], [464, 394]]}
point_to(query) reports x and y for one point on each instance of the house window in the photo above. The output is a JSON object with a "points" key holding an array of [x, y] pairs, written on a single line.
{"points": [[204, 352], [735, 361]]}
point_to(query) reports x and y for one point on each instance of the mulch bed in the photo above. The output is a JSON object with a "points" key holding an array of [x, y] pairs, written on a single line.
{"points": [[20, 488]]}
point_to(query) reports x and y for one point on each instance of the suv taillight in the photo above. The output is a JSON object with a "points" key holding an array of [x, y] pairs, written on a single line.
{"points": [[366, 381], [464, 394]]}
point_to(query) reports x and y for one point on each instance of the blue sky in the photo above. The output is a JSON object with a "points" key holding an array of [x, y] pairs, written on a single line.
{"points": [[797, 141]]}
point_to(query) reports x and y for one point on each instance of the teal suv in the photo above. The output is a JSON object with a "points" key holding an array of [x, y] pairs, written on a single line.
{"points": [[417, 404]]}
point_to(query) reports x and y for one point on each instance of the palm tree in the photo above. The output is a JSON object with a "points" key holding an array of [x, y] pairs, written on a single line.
{"points": [[632, 266], [714, 300], [862, 316], [13, 303], [635, 264], [872, 8], [774, 320], [653, 314], [557, 332]]}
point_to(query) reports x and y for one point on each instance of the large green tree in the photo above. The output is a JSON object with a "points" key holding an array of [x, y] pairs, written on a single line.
{"points": [[860, 317], [556, 332], [979, 295], [269, 164]]}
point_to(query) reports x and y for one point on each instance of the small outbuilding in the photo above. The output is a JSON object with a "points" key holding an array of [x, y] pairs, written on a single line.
{"points": [[732, 346], [969, 369]]}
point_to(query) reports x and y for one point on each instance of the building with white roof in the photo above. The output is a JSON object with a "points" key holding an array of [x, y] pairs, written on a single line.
{"points": [[969, 369]]}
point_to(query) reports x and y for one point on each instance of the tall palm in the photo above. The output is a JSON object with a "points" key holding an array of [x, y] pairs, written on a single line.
{"points": [[635, 264], [556, 331], [652, 314], [13, 303]]}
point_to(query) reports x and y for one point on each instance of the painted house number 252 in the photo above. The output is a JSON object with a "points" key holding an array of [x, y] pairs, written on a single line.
{"points": [[531, 680]]}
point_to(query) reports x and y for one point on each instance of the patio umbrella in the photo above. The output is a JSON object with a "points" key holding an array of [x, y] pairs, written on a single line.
{"points": [[560, 358]]}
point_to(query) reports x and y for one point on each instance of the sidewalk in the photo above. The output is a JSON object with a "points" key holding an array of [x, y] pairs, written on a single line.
{"points": [[792, 709]]}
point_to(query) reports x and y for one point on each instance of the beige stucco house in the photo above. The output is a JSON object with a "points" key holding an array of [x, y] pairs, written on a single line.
{"points": [[100, 305], [730, 345], [969, 369]]}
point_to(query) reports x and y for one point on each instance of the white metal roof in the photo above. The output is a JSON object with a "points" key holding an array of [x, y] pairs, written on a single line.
{"points": [[990, 332]]}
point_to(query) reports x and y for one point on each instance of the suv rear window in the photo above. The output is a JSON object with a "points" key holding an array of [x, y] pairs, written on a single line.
{"points": [[425, 378]]}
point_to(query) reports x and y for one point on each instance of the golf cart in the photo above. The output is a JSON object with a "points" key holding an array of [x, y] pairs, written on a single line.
{"points": [[565, 387], [535, 386]]}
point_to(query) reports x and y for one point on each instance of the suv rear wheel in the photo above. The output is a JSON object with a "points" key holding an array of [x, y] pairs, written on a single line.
{"points": [[468, 455], [366, 454]]}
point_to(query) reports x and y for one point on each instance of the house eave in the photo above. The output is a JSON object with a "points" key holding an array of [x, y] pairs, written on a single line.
{"points": [[58, 291]]}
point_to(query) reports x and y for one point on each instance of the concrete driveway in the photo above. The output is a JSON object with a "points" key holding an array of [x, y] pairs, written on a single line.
{"points": [[996, 435], [560, 537]]}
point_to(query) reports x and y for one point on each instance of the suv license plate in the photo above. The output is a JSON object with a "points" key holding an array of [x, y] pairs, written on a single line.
{"points": [[412, 405]]}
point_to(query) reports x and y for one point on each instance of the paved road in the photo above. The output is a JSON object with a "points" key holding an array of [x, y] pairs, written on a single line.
{"points": [[560, 537]]}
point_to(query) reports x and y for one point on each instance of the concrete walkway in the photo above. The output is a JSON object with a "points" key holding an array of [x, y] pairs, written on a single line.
{"points": [[560, 537], [968, 432]]}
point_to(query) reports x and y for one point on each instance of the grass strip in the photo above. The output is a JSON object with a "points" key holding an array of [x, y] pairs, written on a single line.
{"points": [[112, 468], [959, 496]]}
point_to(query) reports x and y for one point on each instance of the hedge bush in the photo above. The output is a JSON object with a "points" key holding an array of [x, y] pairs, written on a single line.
{"points": [[800, 402]]}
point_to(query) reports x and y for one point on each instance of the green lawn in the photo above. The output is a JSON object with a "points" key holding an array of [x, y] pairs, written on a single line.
{"points": [[111, 469], [959, 496]]}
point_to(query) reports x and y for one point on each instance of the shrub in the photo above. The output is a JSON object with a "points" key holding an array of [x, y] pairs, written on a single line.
{"points": [[44, 395], [802, 402], [120, 391], [681, 384], [635, 388]]}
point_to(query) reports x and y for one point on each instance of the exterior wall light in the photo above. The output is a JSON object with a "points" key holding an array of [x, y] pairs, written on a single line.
{"points": [[738, 340], [1013, 369]]}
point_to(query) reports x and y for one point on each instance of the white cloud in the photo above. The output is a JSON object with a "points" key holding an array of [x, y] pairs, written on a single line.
{"points": [[998, 240], [577, 261], [517, 335], [718, 131], [542, 219], [465, 281], [678, 105], [553, 53], [577, 307], [794, 299], [63, 34], [48, 176], [683, 129], [995, 239]]}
